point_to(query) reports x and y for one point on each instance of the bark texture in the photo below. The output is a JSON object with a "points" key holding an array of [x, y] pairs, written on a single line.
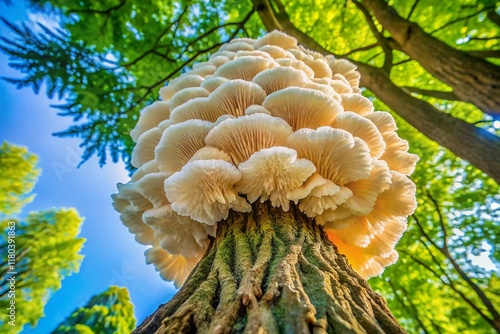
{"points": [[478, 146], [473, 79], [270, 271]]}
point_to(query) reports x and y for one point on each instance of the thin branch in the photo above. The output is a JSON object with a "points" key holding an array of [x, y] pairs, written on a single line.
{"points": [[373, 57], [441, 220], [150, 88], [363, 48], [432, 93], [493, 16], [401, 62], [155, 44], [412, 9], [483, 38], [460, 19], [378, 35], [97, 11], [484, 121], [452, 286], [411, 309], [445, 251]]}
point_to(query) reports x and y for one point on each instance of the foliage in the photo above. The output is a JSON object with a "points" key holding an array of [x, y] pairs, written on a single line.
{"points": [[110, 312], [46, 245], [18, 175], [109, 58]]}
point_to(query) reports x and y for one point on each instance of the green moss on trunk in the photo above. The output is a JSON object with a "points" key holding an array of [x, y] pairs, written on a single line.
{"points": [[270, 271]]}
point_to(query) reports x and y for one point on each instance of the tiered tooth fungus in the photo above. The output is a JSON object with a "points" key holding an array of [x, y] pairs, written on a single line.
{"points": [[267, 120]]}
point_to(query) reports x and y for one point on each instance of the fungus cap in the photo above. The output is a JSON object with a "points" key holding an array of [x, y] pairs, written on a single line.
{"points": [[271, 173]]}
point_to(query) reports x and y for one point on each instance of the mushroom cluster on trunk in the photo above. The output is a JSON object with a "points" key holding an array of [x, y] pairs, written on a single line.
{"points": [[266, 120]]}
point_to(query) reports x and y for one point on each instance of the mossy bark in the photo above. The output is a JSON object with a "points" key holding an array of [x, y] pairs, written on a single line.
{"points": [[270, 271]]}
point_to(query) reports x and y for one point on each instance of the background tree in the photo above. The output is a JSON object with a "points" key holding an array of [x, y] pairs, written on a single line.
{"points": [[47, 247], [109, 59], [109, 312], [18, 176]]}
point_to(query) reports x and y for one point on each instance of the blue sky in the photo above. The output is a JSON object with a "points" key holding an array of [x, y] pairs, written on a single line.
{"points": [[112, 257]]}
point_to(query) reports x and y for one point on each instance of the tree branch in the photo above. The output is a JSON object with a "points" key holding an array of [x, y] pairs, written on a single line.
{"points": [[461, 19], [412, 9], [411, 309], [493, 16], [98, 11], [454, 288], [150, 88], [441, 221], [445, 251], [382, 41], [363, 48], [432, 93]]}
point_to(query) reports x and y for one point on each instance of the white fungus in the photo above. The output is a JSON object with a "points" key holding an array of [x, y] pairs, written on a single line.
{"points": [[266, 120]]}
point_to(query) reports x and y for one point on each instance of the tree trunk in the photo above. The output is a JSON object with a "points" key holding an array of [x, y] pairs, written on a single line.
{"points": [[473, 79], [270, 271], [479, 147]]}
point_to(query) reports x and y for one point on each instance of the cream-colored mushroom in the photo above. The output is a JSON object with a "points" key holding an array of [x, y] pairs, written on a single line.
{"points": [[274, 79], [186, 95], [296, 64], [357, 103], [149, 167], [276, 38], [179, 142], [143, 234], [210, 153], [143, 151], [178, 234], [396, 154], [337, 155], [347, 70], [226, 128], [203, 190], [397, 201], [383, 121], [151, 187], [150, 117], [212, 83], [365, 192], [131, 218], [129, 192], [205, 70], [237, 46], [184, 81], [324, 198], [256, 109], [171, 267], [302, 107], [245, 68], [230, 98], [271, 173], [319, 66], [245, 135], [362, 128], [276, 52]]}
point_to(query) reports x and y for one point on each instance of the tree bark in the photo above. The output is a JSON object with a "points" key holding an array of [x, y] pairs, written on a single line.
{"points": [[473, 79], [479, 147], [270, 271]]}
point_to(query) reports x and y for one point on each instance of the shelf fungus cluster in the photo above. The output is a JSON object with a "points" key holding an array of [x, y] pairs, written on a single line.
{"points": [[266, 120]]}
